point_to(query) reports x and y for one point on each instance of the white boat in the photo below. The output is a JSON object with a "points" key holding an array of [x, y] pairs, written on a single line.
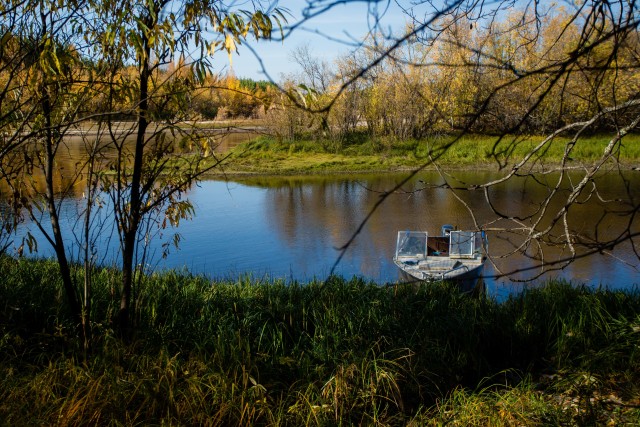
{"points": [[455, 255]]}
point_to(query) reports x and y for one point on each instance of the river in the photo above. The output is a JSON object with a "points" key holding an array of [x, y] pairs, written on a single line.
{"points": [[294, 228]]}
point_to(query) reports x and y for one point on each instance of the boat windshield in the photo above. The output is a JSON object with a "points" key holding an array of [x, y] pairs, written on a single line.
{"points": [[465, 244], [411, 244]]}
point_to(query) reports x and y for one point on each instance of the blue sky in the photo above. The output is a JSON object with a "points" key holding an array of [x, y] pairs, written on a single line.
{"points": [[328, 35]]}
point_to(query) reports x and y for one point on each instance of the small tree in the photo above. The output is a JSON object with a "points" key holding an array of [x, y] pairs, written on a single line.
{"points": [[45, 94], [150, 176]]}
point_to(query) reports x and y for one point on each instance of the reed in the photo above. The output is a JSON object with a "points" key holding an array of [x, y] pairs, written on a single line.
{"points": [[332, 352]]}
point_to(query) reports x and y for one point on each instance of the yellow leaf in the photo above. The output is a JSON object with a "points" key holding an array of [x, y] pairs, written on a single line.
{"points": [[230, 46]]}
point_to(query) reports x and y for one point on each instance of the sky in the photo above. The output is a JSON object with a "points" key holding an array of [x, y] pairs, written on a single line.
{"points": [[329, 35], [335, 31]]}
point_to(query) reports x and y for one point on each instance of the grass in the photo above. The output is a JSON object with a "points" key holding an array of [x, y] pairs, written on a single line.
{"points": [[338, 352], [363, 153]]}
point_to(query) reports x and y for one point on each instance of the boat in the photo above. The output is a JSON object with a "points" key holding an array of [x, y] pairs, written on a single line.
{"points": [[455, 255]]}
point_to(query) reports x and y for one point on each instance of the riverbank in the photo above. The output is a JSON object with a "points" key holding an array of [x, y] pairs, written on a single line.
{"points": [[267, 155], [334, 352]]}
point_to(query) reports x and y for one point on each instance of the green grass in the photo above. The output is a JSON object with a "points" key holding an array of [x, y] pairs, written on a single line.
{"points": [[363, 153], [338, 352]]}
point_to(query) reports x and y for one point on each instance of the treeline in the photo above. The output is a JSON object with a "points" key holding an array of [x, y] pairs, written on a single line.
{"points": [[229, 97], [217, 97], [511, 75], [517, 74], [176, 94]]}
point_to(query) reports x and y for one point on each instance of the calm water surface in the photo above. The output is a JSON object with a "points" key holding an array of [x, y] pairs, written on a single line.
{"points": [[293, 228]]}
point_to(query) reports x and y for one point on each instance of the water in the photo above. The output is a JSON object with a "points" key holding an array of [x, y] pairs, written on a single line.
{"points": [[294, 228]]}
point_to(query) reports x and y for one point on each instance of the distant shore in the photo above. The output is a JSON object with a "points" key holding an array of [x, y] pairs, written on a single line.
{"points": [[249, 150], [269, 156]]}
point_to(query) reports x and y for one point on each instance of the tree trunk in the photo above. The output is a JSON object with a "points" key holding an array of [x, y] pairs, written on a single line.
{"points": [[58, 243], [88, 263], [132, 217]]}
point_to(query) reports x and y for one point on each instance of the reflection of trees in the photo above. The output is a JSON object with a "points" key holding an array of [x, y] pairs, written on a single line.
{"points": [[327, 210], [592, 219], [75, 151], [297, 207]]}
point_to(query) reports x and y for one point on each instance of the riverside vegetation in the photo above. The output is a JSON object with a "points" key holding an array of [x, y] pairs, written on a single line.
{"points": [[363, 152], [333, 352]]}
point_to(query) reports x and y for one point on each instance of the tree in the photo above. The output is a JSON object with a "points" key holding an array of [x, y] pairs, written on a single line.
{"points": [[67, 66], [150, 175], [42, 101]]}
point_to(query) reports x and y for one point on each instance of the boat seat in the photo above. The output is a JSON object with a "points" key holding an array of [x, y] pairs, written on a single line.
{"points": [[444, 264]]}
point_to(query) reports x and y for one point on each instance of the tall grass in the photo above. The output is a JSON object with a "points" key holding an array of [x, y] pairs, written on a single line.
{"points": [[337, 352], [363, 152]]}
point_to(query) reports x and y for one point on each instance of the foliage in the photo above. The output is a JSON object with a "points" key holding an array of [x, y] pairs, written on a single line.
{"points": [[517, 72]]}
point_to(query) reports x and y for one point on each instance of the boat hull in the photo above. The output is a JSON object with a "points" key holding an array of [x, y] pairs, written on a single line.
{"points": [[469, 280], [456, 256]]}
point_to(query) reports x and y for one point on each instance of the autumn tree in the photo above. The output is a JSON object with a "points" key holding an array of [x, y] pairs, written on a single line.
{"points": [[150, 176], [78, 64], [47, 88]]}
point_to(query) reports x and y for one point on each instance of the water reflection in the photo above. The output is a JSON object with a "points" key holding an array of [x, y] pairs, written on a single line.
{"points": [[293, 228], [73, 152], [330, 210]]}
